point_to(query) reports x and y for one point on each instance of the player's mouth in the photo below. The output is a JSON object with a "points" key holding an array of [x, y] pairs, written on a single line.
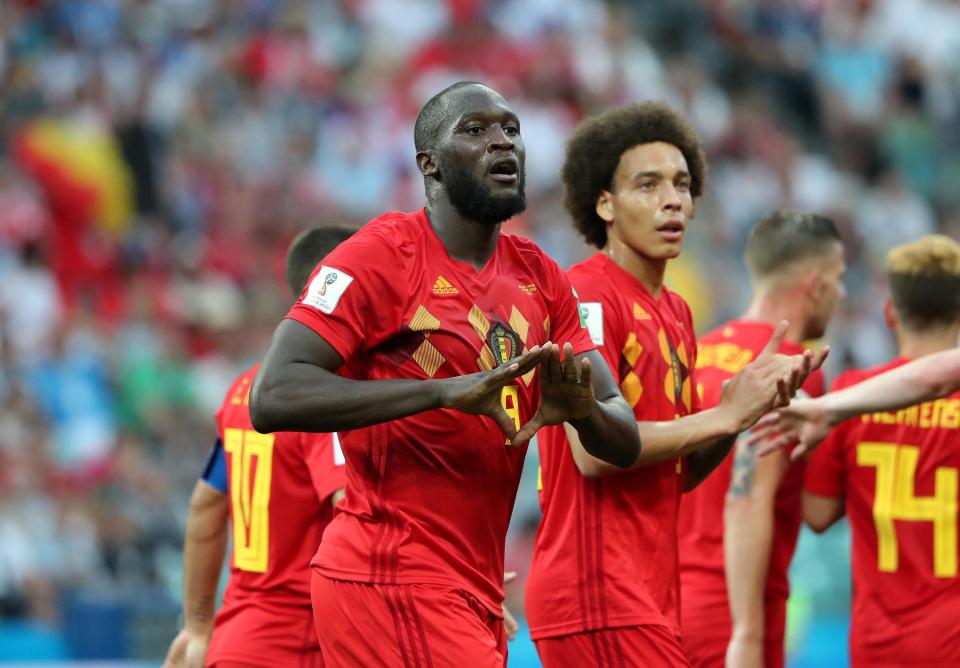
{"points": [[672, 230], [505, 170]]}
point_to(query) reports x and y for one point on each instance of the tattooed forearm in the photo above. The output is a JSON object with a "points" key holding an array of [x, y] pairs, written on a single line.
{"points": [[201, 610], [744, 466]]}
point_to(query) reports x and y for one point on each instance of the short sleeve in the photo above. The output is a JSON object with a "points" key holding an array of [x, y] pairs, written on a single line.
{"points": [[325, 462], [603, 321], [215, 470], [825, 475], [355, 298], [567, 319]]}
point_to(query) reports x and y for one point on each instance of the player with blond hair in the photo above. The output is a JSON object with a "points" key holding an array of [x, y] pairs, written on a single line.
{"points": [[894, 474]]}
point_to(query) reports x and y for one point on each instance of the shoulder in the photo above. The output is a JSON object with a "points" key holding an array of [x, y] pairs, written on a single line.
{"points": [[854, 376], [591, 267], [393, 233], [850, 377], [380, 256], [681, 309], [529, 253], [590, 280], [677, 301], [239, 391], [531, 260], [717, 335]]}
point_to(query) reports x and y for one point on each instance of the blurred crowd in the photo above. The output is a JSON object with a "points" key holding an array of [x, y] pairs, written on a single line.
{"points": [[156, 157]]}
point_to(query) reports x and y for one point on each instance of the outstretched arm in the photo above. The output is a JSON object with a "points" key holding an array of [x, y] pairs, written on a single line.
{"points": [[769, 381], [923, 379], [205, 544], [810, 421], [581, 392]]}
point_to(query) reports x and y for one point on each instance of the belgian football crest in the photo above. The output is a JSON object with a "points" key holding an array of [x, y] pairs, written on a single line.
{"points": [[503, 343]]}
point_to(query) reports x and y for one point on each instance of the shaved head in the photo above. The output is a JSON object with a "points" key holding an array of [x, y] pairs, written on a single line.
{"points": [[432, 116]]}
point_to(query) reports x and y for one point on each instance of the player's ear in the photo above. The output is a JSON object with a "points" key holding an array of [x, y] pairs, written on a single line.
{"points": [[810, 282], [890, 315], [426, 163], [605, 206]]}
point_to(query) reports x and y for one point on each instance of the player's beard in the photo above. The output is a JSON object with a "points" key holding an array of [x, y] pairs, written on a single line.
{"points": [[473, 198]]}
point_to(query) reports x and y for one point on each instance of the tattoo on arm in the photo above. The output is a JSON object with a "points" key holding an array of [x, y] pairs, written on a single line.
{"points": [[202, 611], [744, 466]]}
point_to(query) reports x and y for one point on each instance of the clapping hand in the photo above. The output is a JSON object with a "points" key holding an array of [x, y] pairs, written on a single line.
{"points": [[480, 393], [770, 381], [803, 423], [566, 391]]}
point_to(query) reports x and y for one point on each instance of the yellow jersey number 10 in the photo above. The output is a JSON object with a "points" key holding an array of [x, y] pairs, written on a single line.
{"points": [[251, 468]]}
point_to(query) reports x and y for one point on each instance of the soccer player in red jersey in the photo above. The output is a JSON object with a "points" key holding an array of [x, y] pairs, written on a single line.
{"points": [[895, 476], [603, 586], [738, 530], [279, 491], [424, 341]]}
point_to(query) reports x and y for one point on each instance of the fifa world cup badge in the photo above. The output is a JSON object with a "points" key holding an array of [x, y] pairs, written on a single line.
{"points": [[329, 279]]}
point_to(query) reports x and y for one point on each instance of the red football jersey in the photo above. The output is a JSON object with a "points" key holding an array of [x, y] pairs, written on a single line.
{"points": [[606, 551], [429, 496], [279, 487], [722, 354], [897, 473]]}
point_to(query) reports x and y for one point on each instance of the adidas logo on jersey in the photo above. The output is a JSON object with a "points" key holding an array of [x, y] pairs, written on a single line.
{"points": [[640, 313], [443, 287]]}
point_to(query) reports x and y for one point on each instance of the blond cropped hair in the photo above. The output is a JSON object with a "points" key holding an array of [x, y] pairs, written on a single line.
{"points": [[925, 281], [933, 255]]}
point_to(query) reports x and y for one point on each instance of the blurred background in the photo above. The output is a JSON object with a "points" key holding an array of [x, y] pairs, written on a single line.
{"points": [[156, 157]]}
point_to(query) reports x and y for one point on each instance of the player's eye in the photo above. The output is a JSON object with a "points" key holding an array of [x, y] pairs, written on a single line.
{"points": [[683, 186], [511, 130], [647, 185], [474, 130]]}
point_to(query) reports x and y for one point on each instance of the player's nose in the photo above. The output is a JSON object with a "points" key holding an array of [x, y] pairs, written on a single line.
{"points": [[499, 139], [671, 197]]}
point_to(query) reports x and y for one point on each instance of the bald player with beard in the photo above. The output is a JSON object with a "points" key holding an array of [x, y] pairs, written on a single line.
{"points": [[426, 341]]}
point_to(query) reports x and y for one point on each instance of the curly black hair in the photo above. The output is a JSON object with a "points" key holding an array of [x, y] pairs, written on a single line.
{"points": [[595, 148]]}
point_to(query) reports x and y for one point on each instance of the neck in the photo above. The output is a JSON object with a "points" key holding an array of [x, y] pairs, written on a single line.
{"points": [[647, 270], [771, 306], [465, 240], [914, 344]]}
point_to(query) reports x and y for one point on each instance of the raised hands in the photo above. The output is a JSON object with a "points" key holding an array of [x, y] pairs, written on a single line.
{"points": [[480, 393], [566, 391], [803, 422], [769, 381]]}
